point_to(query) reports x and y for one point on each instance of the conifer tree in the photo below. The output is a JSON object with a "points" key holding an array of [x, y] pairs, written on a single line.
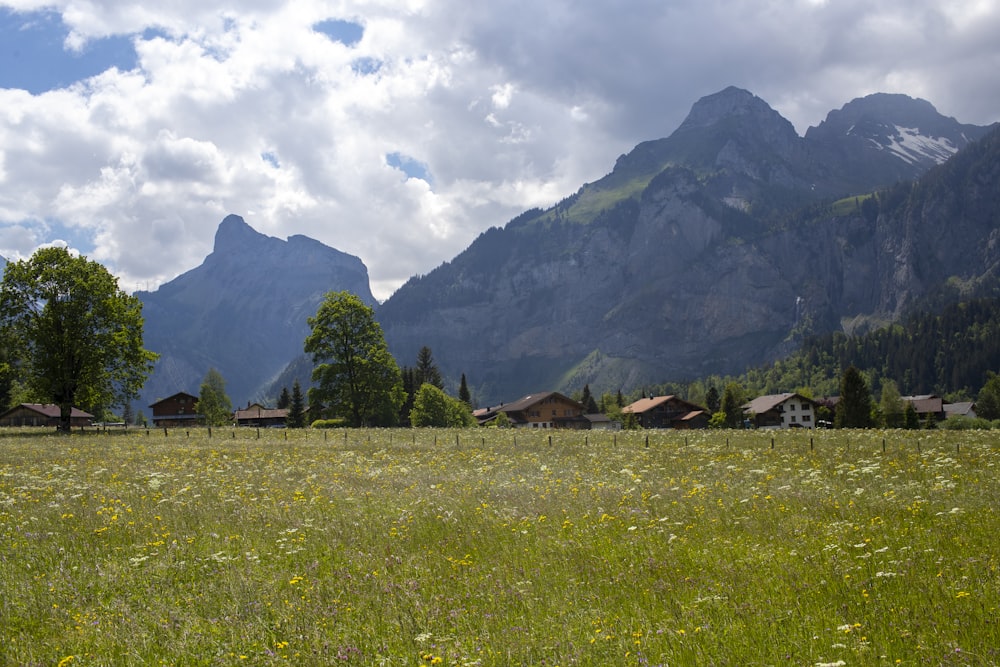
{"points": [[463, 392], [855, 407], [427, 371], [296, 408], [589, 404], [712, 401], [284, 400]]}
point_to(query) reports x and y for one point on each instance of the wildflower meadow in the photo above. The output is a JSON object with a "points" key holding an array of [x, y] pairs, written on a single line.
{"points": [[499, 547]]}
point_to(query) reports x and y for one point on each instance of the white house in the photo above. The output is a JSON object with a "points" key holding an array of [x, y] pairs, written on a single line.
{"points": [[782, 411]]}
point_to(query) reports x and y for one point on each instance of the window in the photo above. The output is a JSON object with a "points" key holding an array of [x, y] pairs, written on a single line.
{"points": [[806, 418], [791, 406]]}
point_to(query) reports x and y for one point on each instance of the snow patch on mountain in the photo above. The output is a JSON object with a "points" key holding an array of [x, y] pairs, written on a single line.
{"points": [[913, 147]]}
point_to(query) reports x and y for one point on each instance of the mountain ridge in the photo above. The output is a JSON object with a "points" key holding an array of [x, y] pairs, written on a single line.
{"points": [[694, 251], [718, 246]]}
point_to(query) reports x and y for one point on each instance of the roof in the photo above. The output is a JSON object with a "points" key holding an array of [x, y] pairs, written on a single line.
{"points": [[263, 413], [528, 401], [49, 410], [763, 404], [644, 404], [960, 408], [692, 415], [170, 398], [597, 418], [925, 403]]}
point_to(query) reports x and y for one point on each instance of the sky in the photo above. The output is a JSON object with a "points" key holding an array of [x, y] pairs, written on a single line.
{"points": [[398, 131]]}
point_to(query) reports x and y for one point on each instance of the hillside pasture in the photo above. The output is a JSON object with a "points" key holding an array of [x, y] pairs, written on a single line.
{"points": [[486, 547]]}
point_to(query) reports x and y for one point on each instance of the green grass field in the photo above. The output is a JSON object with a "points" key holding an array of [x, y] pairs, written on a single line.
{"points": [[483, 547]]}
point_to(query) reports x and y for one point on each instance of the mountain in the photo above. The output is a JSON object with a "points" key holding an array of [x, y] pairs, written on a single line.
{"points": [[715, 248], [243, 311]]}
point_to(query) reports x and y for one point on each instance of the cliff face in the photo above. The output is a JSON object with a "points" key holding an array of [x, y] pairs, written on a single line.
{"points": [[243, 311], [709, 251]]}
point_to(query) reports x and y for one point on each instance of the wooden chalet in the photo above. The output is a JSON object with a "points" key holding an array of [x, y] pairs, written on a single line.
{"points": [[960, 409], [667, 412], [927, 406], [257, 415], [546, 410], [177, 410], [787, 410], [43, 414]]}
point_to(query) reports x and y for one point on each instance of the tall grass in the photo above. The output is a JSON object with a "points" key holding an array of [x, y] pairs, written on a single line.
{"points": [[499, 548]]}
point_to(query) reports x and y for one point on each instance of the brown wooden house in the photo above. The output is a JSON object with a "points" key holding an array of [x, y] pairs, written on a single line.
{"points": [[177, 410], [42, 414], [546, 410], [667, 412], [256, 414]]}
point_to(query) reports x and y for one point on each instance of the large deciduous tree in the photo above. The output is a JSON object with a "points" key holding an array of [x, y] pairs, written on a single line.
{"points": [[432, 407], [355, 376], [988, 400], [75, 336], [213, 404]]}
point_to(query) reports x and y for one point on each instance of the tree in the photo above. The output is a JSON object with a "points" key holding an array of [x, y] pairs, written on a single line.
{"points": [[285, 399], [213, 403], [463, 392], [733, 398], [712, 400], [427, 370], [354, 374], [588, 402], [911, 420], [988, 400], [76, 337], [891, 405], [433, 407], [855, 407], [296, 408]]}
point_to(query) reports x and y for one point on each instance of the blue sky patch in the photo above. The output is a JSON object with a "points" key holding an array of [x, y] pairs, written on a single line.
{"points": [[366, 66], [345, 32], [271, 159], [33, 57], [411, 167]]}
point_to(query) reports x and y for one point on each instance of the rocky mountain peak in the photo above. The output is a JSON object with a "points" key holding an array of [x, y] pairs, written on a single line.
{"points": [[902, 127], [243, 311], [731, 102], [234, 234]]}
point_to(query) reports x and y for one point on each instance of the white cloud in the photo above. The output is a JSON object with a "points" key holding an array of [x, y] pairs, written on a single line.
{"points": [[242, 107]]}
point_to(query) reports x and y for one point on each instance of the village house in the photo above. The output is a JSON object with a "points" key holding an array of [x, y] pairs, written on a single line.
{"points": [[257, 415], [667, 412], [546, 410], [927, 406], [781, 411], [177, 410], [42, 414], [960, 409]]}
